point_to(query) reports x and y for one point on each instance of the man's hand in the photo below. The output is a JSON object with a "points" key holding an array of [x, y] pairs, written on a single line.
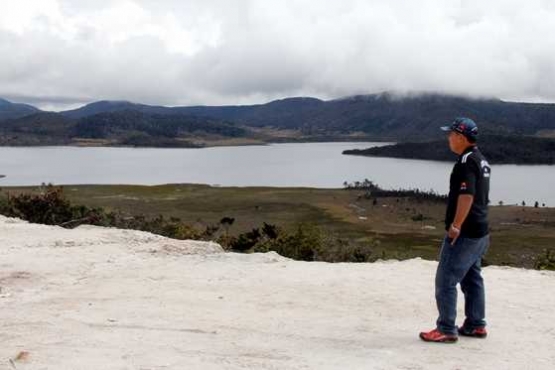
{"points": [[453, 233], [464, 203]]}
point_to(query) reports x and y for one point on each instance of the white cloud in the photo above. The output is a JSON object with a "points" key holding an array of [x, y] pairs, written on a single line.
{"points": [[231, 52]]}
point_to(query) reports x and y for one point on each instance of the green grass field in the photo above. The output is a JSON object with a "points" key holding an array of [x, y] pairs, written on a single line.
{"points": [[395, 227]]}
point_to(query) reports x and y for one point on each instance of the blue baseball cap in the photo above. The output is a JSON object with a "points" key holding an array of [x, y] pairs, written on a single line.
{"points": [[464, 126]]}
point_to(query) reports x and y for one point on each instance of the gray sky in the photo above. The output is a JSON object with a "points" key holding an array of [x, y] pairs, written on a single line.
{"points": [[59, 54]]}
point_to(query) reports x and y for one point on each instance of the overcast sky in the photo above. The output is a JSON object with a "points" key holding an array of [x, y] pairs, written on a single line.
{"points": [[63, 53]]}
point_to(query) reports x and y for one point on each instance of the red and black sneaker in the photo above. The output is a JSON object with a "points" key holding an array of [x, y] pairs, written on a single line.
{"points": [[476, 333], [438, 337]]}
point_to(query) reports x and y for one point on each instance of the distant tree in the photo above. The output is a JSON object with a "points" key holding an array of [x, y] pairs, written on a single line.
{"points": [[536, 205], [226, 222], [500, 202], [369, 185], [523, 203]]}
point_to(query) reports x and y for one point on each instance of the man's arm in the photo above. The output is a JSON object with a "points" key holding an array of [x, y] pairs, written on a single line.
{"points": [[464, 203]]}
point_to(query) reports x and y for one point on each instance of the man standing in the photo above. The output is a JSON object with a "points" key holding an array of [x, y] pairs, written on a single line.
{"points": [[466, 241]]}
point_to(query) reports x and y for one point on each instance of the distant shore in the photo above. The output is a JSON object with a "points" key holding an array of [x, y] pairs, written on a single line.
{"points": [[524, 150], [197, 143]]}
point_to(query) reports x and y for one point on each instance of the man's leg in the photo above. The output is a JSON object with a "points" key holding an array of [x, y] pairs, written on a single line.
{"points": [[474, 298], [454, 264], [446, 290], [472, 286]]}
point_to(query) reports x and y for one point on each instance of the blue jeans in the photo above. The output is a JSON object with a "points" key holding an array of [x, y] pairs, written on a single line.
{"points": [[461, 263]]}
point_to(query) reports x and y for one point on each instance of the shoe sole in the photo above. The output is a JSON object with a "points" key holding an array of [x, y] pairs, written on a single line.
{"points": [[481, 336], [471, 334], [444, 340]]}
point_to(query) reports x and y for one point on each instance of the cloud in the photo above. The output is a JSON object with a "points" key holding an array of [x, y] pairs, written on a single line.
{"points": [[221, 52]]}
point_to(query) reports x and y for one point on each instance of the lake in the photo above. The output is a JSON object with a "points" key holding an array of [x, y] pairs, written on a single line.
{"points": [[319, 165]]}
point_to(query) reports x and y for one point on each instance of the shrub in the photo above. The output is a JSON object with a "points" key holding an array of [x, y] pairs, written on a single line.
{"points": [[246, 241], [336, 249], [545, 261], [48, 207], [374, 191], [51, 207], [303, 244]]}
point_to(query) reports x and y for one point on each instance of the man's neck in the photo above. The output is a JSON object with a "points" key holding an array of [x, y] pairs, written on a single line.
{"points": [[467, 149]]}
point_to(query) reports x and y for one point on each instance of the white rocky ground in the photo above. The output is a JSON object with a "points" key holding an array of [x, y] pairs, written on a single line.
{"points": [[97, 298]]}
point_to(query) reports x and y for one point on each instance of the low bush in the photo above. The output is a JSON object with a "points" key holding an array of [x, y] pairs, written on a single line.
{"points": [[545, 261], [306, 242]]}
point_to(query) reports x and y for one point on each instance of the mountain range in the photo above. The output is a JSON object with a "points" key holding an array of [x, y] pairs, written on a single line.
{"points": [[385, 116]]}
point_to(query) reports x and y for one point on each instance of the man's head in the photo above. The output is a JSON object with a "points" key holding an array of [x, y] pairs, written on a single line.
{"points": [[463, 132]]}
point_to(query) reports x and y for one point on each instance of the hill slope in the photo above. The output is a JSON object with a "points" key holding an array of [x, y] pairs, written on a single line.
{"points": [[41, 128], [386, 115], [96, 298], [120, 127], [10, 110], [122, 124], [108, 106]]}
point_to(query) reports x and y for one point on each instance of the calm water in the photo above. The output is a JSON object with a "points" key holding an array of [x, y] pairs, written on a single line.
{"points": [[309, 164]]}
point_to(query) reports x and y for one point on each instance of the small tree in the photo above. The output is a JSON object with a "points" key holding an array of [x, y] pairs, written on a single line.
{"points": [[226, 222]]}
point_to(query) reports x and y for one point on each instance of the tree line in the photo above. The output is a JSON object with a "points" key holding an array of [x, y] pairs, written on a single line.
{"points": [[497, 149]]}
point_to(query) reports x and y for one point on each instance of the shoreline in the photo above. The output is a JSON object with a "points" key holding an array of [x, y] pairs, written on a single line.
{"points": [[268, 187], [198, 143], [246, 187], [231, 143], [242, 187]]}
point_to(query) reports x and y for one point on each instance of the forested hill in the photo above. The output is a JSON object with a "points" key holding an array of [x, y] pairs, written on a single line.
{"points": [[9, 110], [121, 123], [497, 149], [386, 116], [127, 127], [109, 106]]}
